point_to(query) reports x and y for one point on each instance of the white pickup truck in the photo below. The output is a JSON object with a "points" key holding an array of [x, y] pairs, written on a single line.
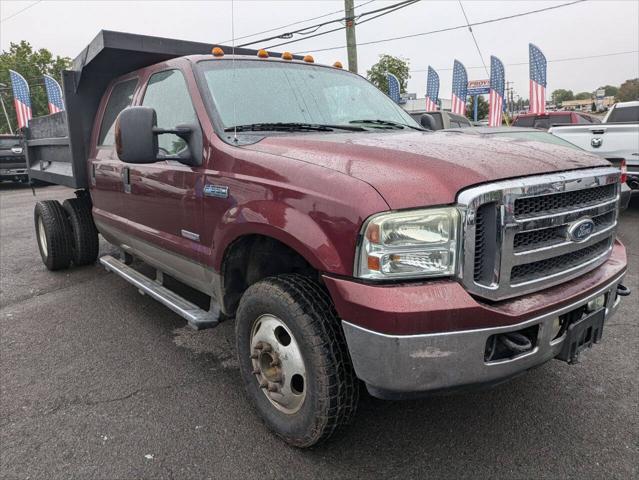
{"points": [[616, 137]]}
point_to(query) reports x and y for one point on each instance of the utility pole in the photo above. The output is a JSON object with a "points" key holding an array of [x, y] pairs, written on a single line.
{"points": [[351, 42]]}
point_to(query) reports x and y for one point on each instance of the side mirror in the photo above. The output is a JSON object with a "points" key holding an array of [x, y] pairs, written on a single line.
{"points": [[428, 121], [136, 138]]}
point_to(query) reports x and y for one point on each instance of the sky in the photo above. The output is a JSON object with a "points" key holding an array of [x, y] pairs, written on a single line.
{"points": [[591, 28]]}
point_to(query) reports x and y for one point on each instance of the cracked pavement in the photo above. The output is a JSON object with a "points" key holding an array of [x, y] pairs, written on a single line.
{"points": [[99, 382]]}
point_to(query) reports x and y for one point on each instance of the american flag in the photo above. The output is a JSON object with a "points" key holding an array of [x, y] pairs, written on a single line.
{"points": [[432, 90], [496, 97], [21, 98], [537, 63], [393, 87], [54, 93], [460, 86]]}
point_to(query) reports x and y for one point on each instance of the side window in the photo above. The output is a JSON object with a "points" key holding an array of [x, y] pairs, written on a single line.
{"points": [[121, 97], [167, 93]]}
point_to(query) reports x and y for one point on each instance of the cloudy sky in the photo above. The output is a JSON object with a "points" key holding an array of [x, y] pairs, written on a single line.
{"points": [[596, 29]]}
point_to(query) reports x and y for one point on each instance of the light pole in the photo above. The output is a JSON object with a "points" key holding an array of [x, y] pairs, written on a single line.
{"points": [[4, 109]]}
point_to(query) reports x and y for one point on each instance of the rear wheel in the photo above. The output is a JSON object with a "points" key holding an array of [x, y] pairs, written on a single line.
{"points": [[85, 235], [53, 233], [294, 360]]}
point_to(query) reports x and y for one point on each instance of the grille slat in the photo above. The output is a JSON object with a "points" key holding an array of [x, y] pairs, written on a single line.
{"points": [[547, 204]]}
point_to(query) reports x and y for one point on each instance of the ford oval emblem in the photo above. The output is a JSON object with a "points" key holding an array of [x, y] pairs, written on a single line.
{"points": [[581, 230]]}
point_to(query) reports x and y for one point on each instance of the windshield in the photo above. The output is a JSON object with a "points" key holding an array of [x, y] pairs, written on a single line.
{"points": [[6, 143], [537, 137], [262, 92]]}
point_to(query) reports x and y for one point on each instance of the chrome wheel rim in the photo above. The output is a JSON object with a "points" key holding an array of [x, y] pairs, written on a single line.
{"points": [[42, 237], [277, 364]]}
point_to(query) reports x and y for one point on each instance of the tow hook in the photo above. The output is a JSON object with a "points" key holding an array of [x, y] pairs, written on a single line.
{"points": [[622, 290]]}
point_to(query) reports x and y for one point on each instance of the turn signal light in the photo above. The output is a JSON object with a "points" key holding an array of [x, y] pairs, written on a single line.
{"points": [[338, 65], [309, 59], [261, 53], [373, 263], [624, 171], [287, 56], [217, 52]]}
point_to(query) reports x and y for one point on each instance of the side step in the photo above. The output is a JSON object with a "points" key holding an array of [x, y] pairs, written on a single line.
{"points": [[197, 317]]}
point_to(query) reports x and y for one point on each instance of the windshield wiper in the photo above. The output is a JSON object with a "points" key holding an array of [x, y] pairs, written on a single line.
{"points": [[386, 124], [291, 126]]}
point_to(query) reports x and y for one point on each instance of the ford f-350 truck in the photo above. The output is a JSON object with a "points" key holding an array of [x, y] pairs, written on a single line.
{"points": [[347, 243]]}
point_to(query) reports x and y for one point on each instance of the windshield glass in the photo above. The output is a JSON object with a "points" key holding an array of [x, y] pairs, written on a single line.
{"points": [[537, 137], [275, 92], [9, 142]]}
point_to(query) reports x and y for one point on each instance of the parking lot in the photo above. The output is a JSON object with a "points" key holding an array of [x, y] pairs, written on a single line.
{"points": [[100, 382]]}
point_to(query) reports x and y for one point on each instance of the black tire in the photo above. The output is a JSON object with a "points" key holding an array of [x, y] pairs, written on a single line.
{"points": [[57, 251], [86, 244], [332, 389]]}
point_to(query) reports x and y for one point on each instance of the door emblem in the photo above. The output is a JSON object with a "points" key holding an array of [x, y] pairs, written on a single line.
{"points": [[596, 142], [581, 230], [219, 191]]}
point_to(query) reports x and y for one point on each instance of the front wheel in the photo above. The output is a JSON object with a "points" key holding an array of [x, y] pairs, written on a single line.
{"points": [[294, 360]]}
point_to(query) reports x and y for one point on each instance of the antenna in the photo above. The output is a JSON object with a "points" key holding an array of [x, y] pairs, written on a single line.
{"points": [[233, 70]]}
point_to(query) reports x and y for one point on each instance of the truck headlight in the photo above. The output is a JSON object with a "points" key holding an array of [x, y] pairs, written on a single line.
{"points": [[416, 243]]}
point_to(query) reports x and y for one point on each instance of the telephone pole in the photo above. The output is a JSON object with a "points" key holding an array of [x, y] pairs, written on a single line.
{"points": [[351, 42]]}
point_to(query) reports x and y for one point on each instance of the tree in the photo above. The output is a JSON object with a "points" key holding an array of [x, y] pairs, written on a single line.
{"points": [[611, 91], [482, 107], [398, 66], [32, 65], [561, 95], [583, 96], [628, 91]]}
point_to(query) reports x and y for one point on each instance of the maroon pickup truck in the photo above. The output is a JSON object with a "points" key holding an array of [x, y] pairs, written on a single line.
{"points": [[347, 243]]}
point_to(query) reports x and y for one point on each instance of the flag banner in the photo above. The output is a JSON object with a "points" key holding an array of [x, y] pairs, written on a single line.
{"points": [[54, 94], [496, 96], [432, 90], [21, 98], [393, 87], [537, 66], [460, 86]]}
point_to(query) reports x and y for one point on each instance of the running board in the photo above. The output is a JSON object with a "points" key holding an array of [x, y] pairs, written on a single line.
{"points": [[197, 317]]}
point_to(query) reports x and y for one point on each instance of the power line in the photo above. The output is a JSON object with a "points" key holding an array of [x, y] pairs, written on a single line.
{"points": [[295, 23], [448, 29], [385, 10], [470, 29], [569, 59], [20, 11]]}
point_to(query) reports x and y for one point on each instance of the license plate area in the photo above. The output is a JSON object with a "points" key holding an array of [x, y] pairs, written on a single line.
{"points": [[582, 334]]}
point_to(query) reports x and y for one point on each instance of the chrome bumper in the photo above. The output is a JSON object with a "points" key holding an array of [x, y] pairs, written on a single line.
{"points": [[394, 364]]}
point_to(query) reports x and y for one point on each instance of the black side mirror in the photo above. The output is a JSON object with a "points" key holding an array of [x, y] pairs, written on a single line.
{"points": [[136, 138], [428, 121]]}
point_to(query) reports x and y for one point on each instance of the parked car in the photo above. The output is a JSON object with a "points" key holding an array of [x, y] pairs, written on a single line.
{"points": [[440, 119], [535, 135], [617, 136], [13, 166], [548, 119], [347, 243]]}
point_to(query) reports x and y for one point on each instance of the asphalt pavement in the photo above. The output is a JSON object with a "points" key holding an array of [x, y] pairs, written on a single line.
{"points": [[99, 382]]}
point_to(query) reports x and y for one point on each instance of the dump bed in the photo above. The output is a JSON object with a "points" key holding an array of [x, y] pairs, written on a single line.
{"points": [[57, 145]]}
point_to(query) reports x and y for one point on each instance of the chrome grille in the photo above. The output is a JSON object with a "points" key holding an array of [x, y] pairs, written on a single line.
{"points": [[516, 236]]}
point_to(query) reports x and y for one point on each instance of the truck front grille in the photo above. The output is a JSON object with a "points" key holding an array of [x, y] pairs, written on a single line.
{"points": [[516, 233]]}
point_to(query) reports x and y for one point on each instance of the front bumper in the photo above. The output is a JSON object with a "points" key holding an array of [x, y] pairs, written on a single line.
{"points": [[396, 366]]}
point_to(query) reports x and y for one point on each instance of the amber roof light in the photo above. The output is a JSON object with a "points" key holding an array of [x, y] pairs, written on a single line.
{"points": [[217, 52], [309, 59], [338, 64], [287, 56], [261, 53]]}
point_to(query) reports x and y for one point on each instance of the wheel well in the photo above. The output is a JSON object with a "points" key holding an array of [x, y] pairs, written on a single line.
{"points": [[252, 258]]}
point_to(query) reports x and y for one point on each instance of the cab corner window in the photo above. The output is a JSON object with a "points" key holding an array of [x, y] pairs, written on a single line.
{"points": [[167, 93], [120, 98]]}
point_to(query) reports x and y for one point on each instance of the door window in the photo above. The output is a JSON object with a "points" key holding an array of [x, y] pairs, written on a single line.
{"points": [[121, 97], [167, 93]]}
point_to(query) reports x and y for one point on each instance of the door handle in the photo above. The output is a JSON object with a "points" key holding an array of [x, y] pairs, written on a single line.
{"points": [[126, 179]]}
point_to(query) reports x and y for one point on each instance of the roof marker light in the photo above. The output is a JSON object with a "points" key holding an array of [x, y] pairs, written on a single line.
{"points": [[338, 64], [287, 56], [309, 59], [217, 52], [261, 53]]}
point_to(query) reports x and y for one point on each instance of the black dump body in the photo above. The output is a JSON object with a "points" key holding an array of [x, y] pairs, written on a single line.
{"points": [[57, 145]]}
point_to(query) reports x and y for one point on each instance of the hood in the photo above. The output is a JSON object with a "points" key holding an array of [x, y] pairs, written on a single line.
{"points": [[413, 169]]}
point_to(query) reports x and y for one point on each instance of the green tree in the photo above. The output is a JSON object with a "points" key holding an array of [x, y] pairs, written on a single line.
{"points": [[560, 95], [398, 66], [611, 91], [583, 96], [32, 65], [628, 91], [482, 107]]}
